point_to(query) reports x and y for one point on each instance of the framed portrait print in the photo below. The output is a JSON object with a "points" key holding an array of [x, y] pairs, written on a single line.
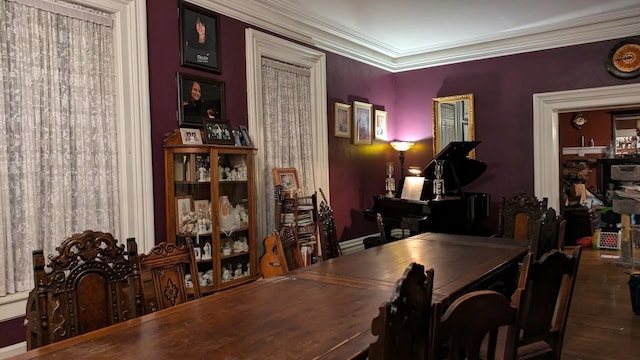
{"points": [[199, 98], [342, 120], [380, 124], [362, 119], [217, 131], [199, 38], [190, 136], [287, 178]]}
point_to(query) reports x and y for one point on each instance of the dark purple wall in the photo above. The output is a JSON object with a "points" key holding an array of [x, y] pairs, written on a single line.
{"points": [[503, 91]]}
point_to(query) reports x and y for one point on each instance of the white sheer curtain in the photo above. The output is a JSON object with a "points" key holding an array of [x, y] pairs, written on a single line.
{"points": [[286, 96], [58, 158]]}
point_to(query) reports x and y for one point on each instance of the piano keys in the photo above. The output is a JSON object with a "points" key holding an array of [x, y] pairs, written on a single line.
{"points": [[458, 212]]}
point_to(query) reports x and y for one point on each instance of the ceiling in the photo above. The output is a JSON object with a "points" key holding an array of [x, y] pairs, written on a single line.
{"points": [[410, 34]]}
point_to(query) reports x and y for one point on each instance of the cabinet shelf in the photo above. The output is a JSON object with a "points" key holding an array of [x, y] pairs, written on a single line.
{"points": [[233, 255]]}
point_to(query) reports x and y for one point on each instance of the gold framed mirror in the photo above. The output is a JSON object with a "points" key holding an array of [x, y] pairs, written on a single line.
{"points": [[453, 121]]}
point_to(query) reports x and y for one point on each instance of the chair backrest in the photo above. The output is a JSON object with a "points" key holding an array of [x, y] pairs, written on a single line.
{"points": [[168, 274], [543, 298], [383, 235], [91, 285], [328, 231], [546, 237], [292, 255], [518, 215], [562, 229], [403, 324], [470, 318]]}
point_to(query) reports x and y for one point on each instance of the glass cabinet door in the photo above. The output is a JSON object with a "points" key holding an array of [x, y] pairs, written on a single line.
{"points": [[233, 212]]}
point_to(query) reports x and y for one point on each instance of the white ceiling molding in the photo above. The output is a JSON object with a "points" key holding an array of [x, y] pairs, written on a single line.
{"points": [[286, 19]]}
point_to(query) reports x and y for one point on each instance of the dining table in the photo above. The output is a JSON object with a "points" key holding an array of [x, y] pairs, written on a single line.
{"points": [[322, 311]]}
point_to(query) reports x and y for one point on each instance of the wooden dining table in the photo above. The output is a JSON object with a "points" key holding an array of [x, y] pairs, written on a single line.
{"points": [[322, 311]]}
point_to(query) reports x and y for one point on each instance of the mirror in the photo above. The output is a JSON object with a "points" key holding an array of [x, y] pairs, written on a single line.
{"points": [[625, 133], [452, 121]]}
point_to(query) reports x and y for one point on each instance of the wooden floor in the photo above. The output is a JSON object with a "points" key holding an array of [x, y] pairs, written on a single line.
{"points": [[601, 322]]}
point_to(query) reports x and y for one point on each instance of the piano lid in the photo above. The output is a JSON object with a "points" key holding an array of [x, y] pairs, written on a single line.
{"points": [[459, 170]]}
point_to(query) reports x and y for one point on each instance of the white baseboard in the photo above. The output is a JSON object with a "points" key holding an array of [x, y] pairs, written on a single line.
{"points": [[353, 245], [13, 350]]}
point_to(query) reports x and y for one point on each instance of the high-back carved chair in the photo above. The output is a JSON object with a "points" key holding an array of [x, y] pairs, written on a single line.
{"points": [[543, 298], [518, 216], [91, 285], [162, 274], [403, 324], [328, 232], [469, 319], [292, 255], [547, 234]]}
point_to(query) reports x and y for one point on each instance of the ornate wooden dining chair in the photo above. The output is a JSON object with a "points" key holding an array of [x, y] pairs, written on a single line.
{"points": [[91, 285], [518, 216], [292, 254], [383, 235], [328, 231], [163, 274], [546, 237], [543, 298], [469, 319], [403, 324]]}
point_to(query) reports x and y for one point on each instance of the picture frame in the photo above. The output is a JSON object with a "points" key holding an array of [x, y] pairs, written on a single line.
{"points": [[191, 136], [203, 205], [199, 38], [246, 139], [199, 98], [217, 131], [287, 178], [342, 117], [381, 125], [362, 121], [184, 207]]}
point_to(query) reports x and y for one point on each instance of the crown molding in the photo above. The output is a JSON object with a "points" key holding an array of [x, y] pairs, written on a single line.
{"points": [[291, 22]]}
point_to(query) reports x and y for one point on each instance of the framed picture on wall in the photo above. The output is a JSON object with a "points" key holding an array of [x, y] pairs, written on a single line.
{"points": [[342, 117], [199, 38], [199, 98], [381, 125], [362, 120]]}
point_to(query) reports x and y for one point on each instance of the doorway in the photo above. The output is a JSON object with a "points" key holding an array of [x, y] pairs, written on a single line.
{"points": [[546, 139]]}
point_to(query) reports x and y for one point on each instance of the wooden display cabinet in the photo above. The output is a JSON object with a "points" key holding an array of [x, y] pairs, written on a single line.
{"points": [[210, 198]]}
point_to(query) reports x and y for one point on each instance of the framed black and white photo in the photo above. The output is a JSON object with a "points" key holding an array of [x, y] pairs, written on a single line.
{"points": [[199, 98], [199, 38], [217, 131]]}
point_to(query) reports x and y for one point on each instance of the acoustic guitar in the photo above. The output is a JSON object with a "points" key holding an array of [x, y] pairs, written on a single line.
{"points": [[272, 263]]}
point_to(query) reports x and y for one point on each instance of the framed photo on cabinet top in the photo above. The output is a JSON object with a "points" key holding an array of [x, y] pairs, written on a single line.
{"points": [[199, 98], [362, 120], [190, 136], [381, 125], [342, 117], [217, 131], [199, 38]]}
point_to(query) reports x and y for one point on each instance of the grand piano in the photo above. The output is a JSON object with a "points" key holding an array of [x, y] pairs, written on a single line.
{"points": [[458, 212]]}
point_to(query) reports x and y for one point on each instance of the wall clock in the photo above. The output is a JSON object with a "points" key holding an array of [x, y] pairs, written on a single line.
{"points": [[579, 120], [624, 59]]}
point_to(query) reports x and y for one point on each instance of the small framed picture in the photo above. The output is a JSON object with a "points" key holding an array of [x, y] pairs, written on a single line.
{"points": [[184, 215], [381, 125], [217, 131], [362, 120], [246, 139], [199, 98], [199, 38], [202, 206], [342, 120], [190, 136], [287, 178]]}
